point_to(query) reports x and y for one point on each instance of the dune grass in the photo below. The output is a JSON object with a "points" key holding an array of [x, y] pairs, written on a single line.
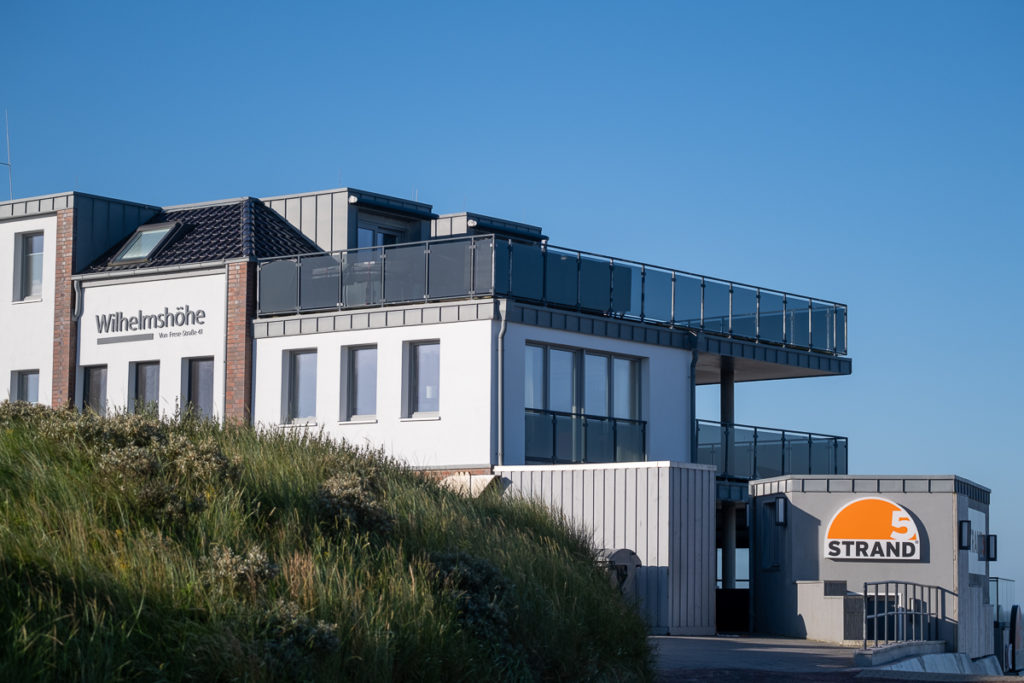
{"points": [[138, 548]]}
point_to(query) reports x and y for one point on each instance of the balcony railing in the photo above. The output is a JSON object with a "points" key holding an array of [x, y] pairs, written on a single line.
{"points": [[567, 438], [745, 452], [490, 266]]}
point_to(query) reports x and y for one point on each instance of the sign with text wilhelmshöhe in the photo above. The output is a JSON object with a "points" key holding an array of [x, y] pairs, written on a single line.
{"points": [[872, 529]]}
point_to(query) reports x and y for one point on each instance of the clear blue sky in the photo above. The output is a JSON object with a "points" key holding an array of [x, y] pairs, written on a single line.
{"points": [[865, 152]]}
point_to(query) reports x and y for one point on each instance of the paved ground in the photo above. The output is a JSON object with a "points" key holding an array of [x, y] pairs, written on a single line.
{"points": [[725, 659]]}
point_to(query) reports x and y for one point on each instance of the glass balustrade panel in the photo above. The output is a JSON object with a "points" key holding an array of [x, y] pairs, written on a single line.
{"points": [[657, 295], [823, 456], [361, 271], [527, 271], [502, 266], [822, 326], [319, 282], [744, 312], [841, 330], [561, 274], [627, 290], [629, 441], [798, 454], [687, 301], [769, 454], [709, 445], [600, 440], [405, 274], [841, 456], [568, 439], [450, 271], [740, 459], [483, 262], [278, 290], [797, 321], [772, 313], [595, 284], [539, 438], [716, 306]]}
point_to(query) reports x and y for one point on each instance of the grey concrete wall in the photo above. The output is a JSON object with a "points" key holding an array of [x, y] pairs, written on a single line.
{"points": [[782, 606], [662, 511]]}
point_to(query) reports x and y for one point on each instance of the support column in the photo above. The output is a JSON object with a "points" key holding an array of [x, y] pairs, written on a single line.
{"points": [[727, 395], [727, 416], [728, 545]]}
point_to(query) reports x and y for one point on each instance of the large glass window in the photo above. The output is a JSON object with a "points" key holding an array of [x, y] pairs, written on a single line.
{"points": [[362, 382], [561, 380], [424, 378], [199, 386], [582, 406], [301, 386], [146, 393], [25, 386], [534, 388], [30, 266], [94, 388]]}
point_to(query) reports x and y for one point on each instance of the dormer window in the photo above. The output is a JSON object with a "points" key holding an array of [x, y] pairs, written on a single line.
{"points": [[145, 243]]}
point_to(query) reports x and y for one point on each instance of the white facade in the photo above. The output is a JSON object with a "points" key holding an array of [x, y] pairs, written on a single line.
{"points": [[460, 434], [464, 431], [171, 345], [28, 319]]}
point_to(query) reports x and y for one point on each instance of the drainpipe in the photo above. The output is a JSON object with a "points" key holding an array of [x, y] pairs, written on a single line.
{"points": [[693, 404], [503, 312]]}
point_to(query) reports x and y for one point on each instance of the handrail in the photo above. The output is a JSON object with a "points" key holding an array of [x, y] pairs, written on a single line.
{"points": [[749, 452], [486, 265], [908, 611]]}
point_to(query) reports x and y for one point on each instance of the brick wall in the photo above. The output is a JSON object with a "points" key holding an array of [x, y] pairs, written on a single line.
{"points": [[241, 311], [65, 329]]}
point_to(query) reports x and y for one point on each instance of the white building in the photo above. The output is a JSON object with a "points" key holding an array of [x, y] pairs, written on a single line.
{"points": [[457, 342]]}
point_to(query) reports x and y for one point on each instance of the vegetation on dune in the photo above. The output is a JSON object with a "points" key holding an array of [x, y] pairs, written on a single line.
{"points": [[138, 548]]}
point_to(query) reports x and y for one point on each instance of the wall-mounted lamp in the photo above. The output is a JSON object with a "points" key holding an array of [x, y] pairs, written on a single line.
{"points": [[964, 537], [471, 223], [780, 512], [990, 548], [353, 199]]}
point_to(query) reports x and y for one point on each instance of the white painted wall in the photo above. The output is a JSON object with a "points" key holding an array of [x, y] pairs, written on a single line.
{"points": [[27, 325], [199, 292], [664, 389], [460, 436]]}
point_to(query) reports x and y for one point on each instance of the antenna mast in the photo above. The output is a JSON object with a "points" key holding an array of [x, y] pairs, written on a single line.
{"points": [[10, 169]]}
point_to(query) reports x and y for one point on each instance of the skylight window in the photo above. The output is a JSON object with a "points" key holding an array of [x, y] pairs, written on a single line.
{"points": [[144, 242]]}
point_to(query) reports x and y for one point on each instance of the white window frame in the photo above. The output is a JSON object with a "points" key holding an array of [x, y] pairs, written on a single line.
{"points": [[349, 383], [21, 256], [410, 389]]}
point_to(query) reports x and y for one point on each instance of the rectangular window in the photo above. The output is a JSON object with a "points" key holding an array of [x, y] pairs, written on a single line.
{"points": [[362, 382], [534, 388], [146, 394], [199, 386], [375, 237], [582, 406], [301, 386], [29, 268], [25, 386], [94, 388], [424, 378]]}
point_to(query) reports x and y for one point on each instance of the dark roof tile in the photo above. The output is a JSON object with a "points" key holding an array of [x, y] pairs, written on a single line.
{"points": [[243, 229]]}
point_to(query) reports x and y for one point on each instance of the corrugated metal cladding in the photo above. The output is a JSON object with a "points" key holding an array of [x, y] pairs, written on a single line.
{"points": [[662, 511], [322, 217], [101, 223]]}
